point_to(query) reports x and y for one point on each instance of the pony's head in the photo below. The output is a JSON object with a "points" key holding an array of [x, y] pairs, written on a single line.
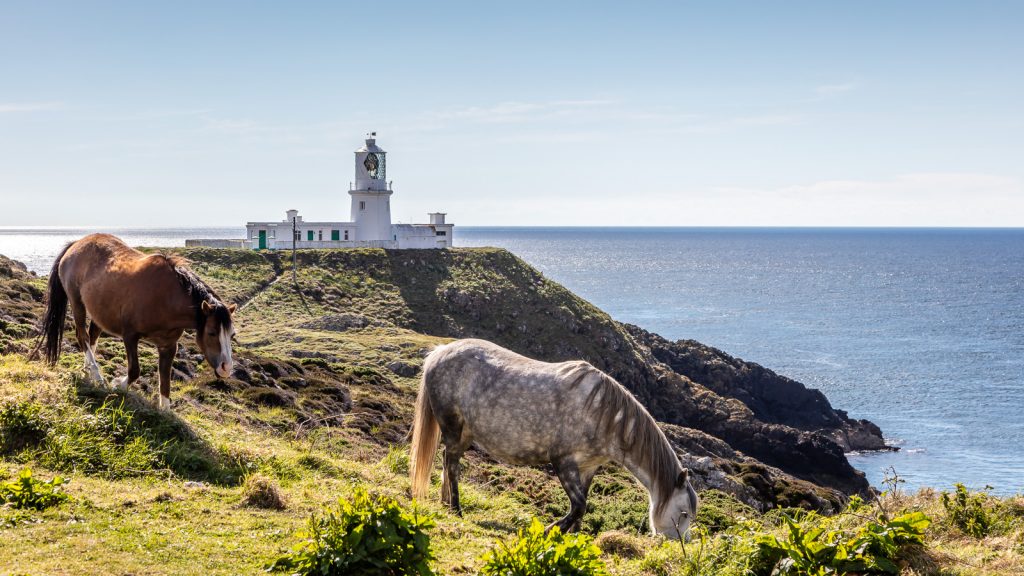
{"points": [[672, 517], [214, 336]]}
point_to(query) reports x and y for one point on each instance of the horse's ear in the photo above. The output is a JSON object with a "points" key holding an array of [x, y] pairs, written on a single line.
{"points": [[231, 308], [206, 307], [682, 478]]}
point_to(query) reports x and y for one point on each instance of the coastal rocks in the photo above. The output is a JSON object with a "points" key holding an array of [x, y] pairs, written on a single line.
{"points": [[713, 464], [21, 294], [807, 455], [404, 369], [772, 398]]}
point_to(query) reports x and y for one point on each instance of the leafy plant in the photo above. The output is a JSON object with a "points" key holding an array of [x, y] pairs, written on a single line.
{"points": [[966, 511], [26, 492], [368, 534], [817, 551], [536, 553], [720, 511], [21, 424]]}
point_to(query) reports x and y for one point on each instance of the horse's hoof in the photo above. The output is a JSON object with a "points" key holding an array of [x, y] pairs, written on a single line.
{"points": [[120, 383], [165, 403]]}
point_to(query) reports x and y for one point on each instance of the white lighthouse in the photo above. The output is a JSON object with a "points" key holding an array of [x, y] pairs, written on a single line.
{"points": [[370, 225], [371, 195]]}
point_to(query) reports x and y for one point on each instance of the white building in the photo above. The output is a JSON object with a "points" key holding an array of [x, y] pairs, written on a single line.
{"points": [[369, 223]]}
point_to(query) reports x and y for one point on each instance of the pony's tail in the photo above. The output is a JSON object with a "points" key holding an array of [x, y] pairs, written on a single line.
{"points": [[426, 437], [56, 310]]}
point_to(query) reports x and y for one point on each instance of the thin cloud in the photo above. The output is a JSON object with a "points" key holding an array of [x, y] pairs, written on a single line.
{"points": [[522, 112], [766, 120], [830, 89], [10, 108]]}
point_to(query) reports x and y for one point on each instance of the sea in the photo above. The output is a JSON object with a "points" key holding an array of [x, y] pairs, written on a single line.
{"points": [[918, 330]]}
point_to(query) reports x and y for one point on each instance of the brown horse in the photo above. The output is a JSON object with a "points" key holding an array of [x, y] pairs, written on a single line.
{"points": [[136, 297]]}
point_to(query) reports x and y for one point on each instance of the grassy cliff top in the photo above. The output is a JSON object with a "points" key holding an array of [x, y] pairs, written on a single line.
{"points": [[320, 404]]}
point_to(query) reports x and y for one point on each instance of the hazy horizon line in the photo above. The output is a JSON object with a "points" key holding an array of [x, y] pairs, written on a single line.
{"points": [[12, 227]]}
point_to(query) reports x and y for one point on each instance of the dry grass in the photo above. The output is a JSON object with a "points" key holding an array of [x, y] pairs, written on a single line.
{"points": [[260, 491]]}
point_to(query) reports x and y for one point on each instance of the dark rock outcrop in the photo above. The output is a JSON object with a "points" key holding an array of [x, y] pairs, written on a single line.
{"points": [[772, 398]]}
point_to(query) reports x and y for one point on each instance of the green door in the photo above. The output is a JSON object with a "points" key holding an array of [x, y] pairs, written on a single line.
{"points": [[335, 235], [263, 239], [309, 236]]}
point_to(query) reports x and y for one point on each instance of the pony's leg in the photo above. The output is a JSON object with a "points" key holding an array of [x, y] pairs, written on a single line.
{"points": [[576, 484], [450, 480], [131, 348], [94, 334], [166, 358], [84, 340]]}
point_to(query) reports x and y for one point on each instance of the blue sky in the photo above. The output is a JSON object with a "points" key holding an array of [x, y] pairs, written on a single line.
{"points": [[554, 113]]}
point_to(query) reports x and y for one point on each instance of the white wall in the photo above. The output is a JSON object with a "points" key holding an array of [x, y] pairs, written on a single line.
{"points": [[422, 236], [373, 220]]}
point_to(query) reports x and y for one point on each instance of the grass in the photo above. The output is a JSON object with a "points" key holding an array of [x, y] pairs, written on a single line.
{"points": [[316, 414]]}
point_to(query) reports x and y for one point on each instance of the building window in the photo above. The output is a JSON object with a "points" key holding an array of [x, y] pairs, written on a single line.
{"points": [[309, 235], [441, 233], [321, 238], [335, 235], [362, 205], [346, 234]]}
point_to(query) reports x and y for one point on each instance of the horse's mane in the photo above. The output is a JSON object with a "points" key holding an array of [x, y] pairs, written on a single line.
{"points": [[199, 291], [620, 416]]}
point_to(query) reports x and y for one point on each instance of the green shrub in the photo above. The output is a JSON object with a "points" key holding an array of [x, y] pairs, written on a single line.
{"points": [[369, 535], [720, 511], [534, 553], [397, 460], [26, 492], [816, 550], [966, 511], [22, 424]]}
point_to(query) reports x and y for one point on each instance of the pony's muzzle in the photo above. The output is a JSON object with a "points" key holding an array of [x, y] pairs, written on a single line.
{"points": [[224, 370]]}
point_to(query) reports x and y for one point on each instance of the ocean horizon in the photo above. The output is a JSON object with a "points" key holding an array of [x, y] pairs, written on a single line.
{"points": [[920, 330]]}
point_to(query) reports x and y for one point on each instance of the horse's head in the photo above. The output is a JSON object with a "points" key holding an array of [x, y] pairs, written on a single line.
{"points": [[214, 339], [673, 518]]}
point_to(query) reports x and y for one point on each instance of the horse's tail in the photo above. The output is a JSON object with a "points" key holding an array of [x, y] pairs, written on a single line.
{"points": [[426, 437], [56, 310]]}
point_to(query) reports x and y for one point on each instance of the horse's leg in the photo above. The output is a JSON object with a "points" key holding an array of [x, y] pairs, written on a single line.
{"points": [[94, 333], [576, 484], [131, 348], [84, 339], [450, 481], [166, 358]]}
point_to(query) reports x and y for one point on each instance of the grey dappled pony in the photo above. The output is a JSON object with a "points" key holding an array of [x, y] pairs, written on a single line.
{"points": [[526, 412]]}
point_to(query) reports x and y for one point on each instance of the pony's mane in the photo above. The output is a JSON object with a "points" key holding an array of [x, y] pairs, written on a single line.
{"points": [[619, 415], [199, 292]]}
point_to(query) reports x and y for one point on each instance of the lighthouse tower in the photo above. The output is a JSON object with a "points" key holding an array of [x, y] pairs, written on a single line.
{"points": [[371, 196]]}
